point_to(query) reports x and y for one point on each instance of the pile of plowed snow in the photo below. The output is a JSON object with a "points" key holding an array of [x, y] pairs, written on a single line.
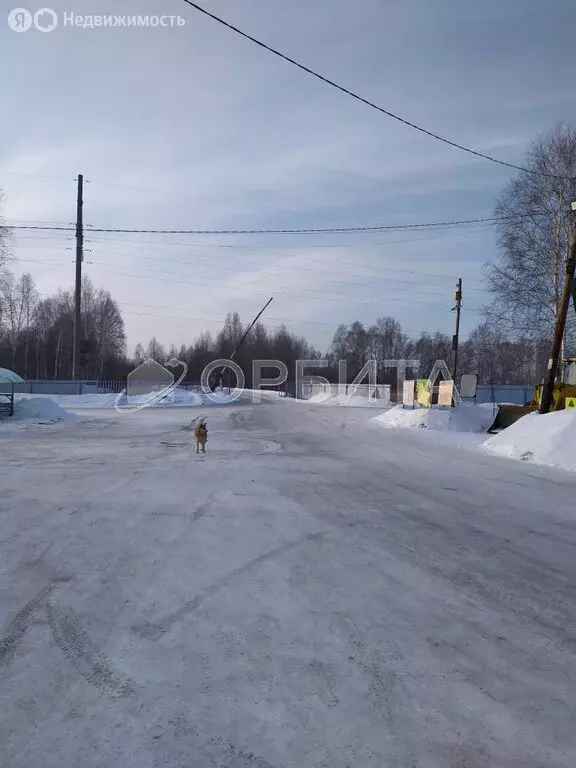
{"points": [[544, 439], [37, 410], [109, 399], [178, 397], [352, 401], [84, 401], [463, 418]]}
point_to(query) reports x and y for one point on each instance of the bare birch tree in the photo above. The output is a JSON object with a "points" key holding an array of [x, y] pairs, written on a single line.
{"points": [[12, 311], [28, 296], [4, 238], [534, 239]]}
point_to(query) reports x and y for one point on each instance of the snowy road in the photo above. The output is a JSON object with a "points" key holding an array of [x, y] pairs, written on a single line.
{"points": [[315, 592]]}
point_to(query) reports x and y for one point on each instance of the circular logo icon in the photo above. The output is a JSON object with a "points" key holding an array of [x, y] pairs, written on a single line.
{"points": [[45, 20], [20, 20]]}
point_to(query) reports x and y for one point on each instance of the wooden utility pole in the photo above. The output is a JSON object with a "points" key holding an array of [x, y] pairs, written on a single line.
{"points": [[548, 388], [242, 340], [456, 337], [78, 288], [252, 324]]}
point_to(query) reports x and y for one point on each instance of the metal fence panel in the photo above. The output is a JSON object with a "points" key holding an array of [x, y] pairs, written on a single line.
{"points": [[517, 394]]}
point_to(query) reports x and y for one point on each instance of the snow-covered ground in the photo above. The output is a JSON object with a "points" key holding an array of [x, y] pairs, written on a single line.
{"points": [[46, 407], [549, 439], [314, 592], [351, 401], [30, 409], [463, 427], [464, 418], [179, 396]]}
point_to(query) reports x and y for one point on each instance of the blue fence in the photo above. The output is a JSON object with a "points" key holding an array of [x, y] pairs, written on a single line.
{"points": [[517, 394]]}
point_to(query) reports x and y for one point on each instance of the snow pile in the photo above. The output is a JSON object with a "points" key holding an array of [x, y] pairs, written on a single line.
{"points": [[353, 401], [38, 410], [464, 418], [177, 397], [109, 399], [84, 401], [544, 439]]}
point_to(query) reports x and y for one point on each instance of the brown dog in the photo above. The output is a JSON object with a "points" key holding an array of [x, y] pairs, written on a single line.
{"points": [[201, 436]]}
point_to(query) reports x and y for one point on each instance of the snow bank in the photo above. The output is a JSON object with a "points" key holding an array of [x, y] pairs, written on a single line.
{"points": [[179, 397], [464, 418], [36, 410], [352, 401], [544, 439], [107, 400], [83, 401]]}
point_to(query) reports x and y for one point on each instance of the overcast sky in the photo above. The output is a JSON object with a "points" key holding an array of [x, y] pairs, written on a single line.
{"points": [[192, 127]]}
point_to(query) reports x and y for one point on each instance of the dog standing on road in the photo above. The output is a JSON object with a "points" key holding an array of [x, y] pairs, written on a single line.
{"points": [[201, 436]]}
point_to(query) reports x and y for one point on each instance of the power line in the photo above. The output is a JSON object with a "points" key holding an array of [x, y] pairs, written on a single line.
{"points": [[339, 297], [277, 270], [42, 228], [213, 317], [307, 246], [361, 269], [299, 231], [288, 274], [38, 176], [167, 277], [392, 289], [325, 295], [37, 221], [309, 257], [356, 96]]}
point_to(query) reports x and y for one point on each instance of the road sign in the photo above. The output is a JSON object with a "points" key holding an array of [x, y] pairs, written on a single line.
{"points": [[571, 402]]}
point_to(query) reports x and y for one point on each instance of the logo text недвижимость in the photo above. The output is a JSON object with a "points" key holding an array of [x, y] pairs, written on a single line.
{"points": [[46, 20]]}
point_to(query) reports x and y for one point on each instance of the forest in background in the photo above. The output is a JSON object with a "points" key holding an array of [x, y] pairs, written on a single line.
{"points": [[36, 341]]}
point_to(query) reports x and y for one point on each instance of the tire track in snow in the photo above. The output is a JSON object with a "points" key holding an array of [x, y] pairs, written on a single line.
{"points": [[20, 623], [84, 655], [155, 630], [177, 736]]}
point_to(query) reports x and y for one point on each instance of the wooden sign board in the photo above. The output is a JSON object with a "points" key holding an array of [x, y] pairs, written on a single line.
{"points": [[445, 393], [408, 393]]}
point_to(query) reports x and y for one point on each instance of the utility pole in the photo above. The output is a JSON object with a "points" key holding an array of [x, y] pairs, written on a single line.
{"points": [[242, 340], [252, 324], [548, 388], [78, 288], [456, 337]]}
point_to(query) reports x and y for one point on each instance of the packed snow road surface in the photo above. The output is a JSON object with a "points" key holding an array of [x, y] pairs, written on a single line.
{"points": [[315, 592]]}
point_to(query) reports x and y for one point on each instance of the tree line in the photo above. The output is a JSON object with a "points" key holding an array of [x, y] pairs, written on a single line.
{"points": [[36, 341], [36, 334], [510, 346]]}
